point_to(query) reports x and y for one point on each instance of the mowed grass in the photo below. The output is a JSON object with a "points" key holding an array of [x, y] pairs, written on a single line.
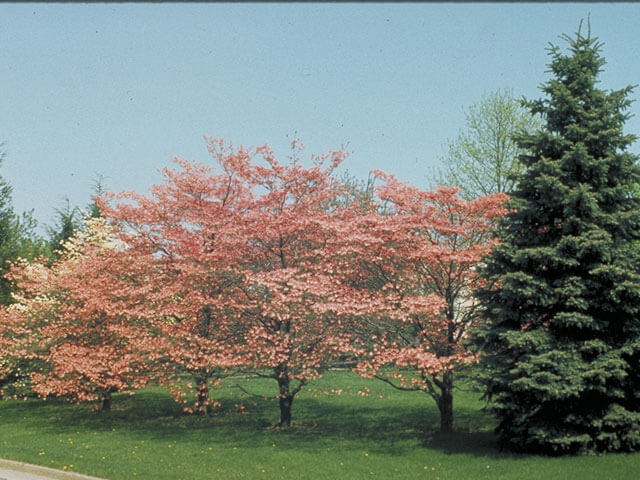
{"points": [[389, 434]]}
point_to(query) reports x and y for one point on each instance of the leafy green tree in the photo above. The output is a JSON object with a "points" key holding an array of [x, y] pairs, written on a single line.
{"points": [[562, 348], [483, 159]]}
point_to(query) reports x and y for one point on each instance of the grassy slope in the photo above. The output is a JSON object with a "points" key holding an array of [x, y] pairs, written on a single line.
{"points": [[347, 436]]}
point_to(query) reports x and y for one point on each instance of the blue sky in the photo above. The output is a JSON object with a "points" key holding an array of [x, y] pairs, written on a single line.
{"points": [[120, 89]]}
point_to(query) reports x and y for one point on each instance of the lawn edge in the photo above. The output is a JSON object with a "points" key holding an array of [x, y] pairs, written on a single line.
{"points": [[45, 471]]}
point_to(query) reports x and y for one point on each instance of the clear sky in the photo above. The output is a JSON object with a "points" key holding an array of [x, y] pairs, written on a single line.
{"points": [[120, 89]]}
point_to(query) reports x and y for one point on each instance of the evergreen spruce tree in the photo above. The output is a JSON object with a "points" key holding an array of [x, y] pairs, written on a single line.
{"points": [[68, 221], [562, 344]]}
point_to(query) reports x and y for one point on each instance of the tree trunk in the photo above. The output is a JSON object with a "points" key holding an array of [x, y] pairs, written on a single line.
{"points": [[445, 403], [106, 402], [286, 401], [285, 410]]}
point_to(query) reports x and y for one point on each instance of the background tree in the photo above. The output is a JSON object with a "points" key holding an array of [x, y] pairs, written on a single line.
{"points": [[17, 235], [68, 221], [483, 159], [353, 189], [562, 351], [99, 189]]}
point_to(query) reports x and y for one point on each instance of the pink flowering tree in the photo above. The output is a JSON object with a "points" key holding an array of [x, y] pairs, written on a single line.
{"points": [[69, 319], [235, 258], [412, 258]]}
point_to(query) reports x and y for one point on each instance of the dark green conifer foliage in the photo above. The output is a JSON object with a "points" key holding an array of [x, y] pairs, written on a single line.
{"points": [[68, 221], [562, 346]]}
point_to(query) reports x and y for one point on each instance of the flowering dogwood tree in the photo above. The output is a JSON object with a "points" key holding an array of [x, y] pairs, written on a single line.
{"points": [[189, 237], [236, 261], [413, 258], [69, 318], [292, 327]]}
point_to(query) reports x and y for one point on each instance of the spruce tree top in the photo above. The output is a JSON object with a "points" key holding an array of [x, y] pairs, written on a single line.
{"points": [[578, 172]]}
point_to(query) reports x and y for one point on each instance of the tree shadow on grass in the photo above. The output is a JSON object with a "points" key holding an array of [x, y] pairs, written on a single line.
{"points": [[331, 422], [475, 443], [153, 415]]}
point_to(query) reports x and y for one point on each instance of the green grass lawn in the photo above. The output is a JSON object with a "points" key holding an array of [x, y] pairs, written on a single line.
{"points": [[389, 434]]}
